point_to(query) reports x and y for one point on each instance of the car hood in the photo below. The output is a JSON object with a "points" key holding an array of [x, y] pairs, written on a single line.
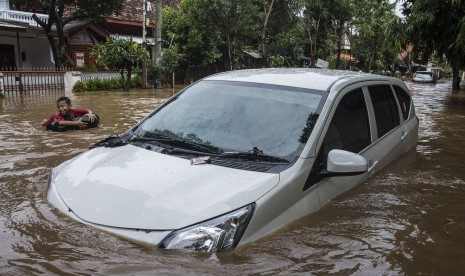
{"points": [[131, 187]]}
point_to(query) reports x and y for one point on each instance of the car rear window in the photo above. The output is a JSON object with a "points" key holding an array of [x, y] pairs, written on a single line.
{"points": [[404, 100], [385, 108]]}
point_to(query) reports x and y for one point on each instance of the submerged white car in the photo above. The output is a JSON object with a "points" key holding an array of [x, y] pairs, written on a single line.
{"points": [[424, 77], [237, 155]]}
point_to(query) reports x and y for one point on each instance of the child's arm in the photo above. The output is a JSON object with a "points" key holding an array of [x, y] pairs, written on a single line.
{"points": [[48, 121], [81, 112], [78, 123]]}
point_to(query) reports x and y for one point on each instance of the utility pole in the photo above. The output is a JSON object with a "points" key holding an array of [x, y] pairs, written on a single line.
{"points": [[144, 44], [156, 51], [156, 55]]}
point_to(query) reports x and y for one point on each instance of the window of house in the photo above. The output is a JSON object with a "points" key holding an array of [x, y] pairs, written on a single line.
{"points": [[7, 56], [385, 108], [404, 101]]}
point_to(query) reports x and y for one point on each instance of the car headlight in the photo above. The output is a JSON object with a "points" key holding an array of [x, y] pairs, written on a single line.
{"points": [[218, 234]]}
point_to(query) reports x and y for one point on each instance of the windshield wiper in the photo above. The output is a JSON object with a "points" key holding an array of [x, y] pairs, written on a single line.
{"points": [[255, 155], [163, 139], [110, 142]]}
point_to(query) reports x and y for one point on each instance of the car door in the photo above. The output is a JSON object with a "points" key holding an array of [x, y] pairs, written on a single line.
{"points": [[388, 129], [366, 119], [348, 127]]}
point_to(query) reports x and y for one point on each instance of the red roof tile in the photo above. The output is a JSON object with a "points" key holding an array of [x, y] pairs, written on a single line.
{"points": [[132, 10]]}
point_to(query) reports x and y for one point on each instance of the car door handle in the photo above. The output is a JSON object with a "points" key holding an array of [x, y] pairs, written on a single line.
{"points": [[404, 135], [372, 167]]}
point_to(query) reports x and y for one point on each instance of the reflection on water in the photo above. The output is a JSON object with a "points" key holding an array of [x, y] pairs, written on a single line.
{"points": [[407, 219]]}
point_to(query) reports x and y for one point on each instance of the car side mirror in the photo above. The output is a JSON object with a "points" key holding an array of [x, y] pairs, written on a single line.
{"points": [[344, 163]]}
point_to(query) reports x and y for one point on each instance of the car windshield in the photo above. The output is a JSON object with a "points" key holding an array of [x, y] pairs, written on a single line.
{"points": [[238, 117]]}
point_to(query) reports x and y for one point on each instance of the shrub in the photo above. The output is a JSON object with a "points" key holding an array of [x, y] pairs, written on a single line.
{"points": [[79, 87], [92, 84], [136, 81]]}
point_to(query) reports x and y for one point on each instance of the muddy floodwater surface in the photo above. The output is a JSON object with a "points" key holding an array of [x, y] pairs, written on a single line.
{"points": [[408, 219]]}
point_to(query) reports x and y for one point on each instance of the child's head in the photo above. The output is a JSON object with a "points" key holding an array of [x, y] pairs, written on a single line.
{"points": [[63, 105]]}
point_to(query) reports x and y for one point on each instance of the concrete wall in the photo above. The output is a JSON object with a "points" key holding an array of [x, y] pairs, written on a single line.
{"points": [[4, 4], [36, 51], [70, 79]]}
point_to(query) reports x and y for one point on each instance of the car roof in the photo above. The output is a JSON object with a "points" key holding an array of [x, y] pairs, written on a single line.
{"points": [[310, 78]]}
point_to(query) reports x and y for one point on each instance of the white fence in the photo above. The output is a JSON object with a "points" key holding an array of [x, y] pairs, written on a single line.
{"points": [[86, 76], [20, 16]]}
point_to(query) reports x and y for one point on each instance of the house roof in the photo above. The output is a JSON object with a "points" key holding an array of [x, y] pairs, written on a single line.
{"points": [[75, 26], [132, 10], [129, 20], [12, 27], [8, 26]]}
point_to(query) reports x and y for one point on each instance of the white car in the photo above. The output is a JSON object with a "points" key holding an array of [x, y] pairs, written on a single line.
{"points": [[237, 155], [424, 77]]}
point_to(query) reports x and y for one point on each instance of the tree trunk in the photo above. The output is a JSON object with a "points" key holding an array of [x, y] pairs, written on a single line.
{"points": [[455, 78], [339, 50], [123, 79], [47, 27], [229, 53], [265, 24], [313, 43], [55, 14], [127, 84], [62, 56]]}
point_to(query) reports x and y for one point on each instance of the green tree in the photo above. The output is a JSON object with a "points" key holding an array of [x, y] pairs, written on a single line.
{"points": [[239, 30], [267, 9], [193, 29], [212, 32], [438, 28], [315, 23], [283, 39], [61, 12], [341, 11], [124, 54], [169, 63], [375, 34]]}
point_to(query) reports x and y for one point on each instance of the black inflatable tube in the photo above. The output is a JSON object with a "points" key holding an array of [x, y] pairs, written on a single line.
{"points": [[85, 119]]}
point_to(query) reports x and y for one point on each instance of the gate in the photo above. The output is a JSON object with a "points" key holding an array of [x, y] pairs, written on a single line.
{"points": [[33, 81]]}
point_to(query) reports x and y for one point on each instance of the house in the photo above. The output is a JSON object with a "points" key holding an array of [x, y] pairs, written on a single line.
{"points": [[23, 43]]}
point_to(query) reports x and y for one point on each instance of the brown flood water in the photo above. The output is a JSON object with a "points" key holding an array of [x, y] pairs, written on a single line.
{"points": [[408, 219]]}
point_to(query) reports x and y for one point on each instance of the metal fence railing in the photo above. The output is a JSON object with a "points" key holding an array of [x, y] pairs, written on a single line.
{"points": [[32, 81], [44, 80]]}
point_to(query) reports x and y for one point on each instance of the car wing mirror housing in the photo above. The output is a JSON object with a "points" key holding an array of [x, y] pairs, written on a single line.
{"points": [[344, 163]]}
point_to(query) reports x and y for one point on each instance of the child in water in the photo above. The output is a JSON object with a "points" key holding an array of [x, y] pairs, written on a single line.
{"points": [[70, 118]]}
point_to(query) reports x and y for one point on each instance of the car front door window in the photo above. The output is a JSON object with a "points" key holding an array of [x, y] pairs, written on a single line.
{"points": [[349, 130]]}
